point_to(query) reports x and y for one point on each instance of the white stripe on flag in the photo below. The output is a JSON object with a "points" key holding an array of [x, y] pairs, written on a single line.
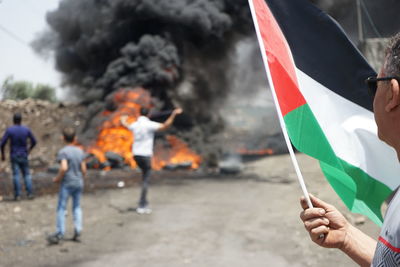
{"points": [[351, 132]]}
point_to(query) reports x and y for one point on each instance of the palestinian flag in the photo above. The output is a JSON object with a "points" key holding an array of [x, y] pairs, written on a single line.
{"points": [[317, 77]]}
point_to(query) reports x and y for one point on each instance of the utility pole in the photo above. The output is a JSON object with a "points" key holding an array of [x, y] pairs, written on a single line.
{"points": [[359, 21]]}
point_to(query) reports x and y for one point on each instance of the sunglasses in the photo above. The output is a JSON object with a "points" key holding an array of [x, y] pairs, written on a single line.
{"points": [[372, 83]]}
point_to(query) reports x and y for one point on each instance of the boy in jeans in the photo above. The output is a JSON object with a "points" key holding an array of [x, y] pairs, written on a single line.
{"points": [[70, 177]]}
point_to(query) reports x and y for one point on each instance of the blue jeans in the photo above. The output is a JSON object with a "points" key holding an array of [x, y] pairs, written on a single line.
{"points": [[65, 192], [20, 164]]}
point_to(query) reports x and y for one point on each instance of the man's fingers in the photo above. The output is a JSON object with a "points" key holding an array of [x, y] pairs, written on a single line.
{"points": [[319, 203], [308, 214], [316, 233], [303, 203], [315, 222]]}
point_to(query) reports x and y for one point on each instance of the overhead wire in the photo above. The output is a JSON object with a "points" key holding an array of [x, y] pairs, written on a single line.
{"points": [[13, 35], [364, 7]]}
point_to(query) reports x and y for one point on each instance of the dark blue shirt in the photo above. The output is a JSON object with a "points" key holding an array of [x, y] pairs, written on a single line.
{"points": [[18, 136]]}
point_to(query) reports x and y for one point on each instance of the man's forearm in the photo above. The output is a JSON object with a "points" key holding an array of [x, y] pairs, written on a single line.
{"points": [[31, 147], [359, 246], [32, 141], [170, 120], [84, 169], [60, 176], [3, 155]]}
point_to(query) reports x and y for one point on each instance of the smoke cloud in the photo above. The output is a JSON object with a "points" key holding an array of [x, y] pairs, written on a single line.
{"points": [[179, 50], [182, 51]]}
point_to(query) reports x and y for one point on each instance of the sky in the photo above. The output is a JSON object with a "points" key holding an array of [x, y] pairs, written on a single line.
{"points": [[20, 21]]}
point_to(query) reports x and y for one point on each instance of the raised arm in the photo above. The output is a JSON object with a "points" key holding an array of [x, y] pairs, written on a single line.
{"points": [[170, 119], [326, 221]]}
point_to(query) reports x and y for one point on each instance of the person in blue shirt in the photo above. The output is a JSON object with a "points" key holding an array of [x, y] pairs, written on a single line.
{"points": [[18, 136]]}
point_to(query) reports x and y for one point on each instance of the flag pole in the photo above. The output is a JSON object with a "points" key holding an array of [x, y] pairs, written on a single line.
{"points": [[278, 109]]}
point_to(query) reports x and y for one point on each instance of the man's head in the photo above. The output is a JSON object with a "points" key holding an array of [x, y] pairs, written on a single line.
{"points": [[17, 118], [387, 98], [392, 57], [144, 111], [69, 135]]}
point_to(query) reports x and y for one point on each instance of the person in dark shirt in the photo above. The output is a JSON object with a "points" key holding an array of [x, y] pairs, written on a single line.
{"points": [[19, 151]]}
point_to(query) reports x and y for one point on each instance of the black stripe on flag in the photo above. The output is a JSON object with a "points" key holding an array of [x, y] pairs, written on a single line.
{"points": [[322, 50]]}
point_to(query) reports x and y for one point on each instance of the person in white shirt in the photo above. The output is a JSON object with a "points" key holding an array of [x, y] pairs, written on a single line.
{"points": [[143, 130]]}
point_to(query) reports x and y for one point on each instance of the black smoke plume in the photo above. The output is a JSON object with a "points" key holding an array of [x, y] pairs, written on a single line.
{"points": [[180, 50]]}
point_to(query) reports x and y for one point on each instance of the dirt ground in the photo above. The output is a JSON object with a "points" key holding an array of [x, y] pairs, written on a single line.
{"points": [[226, 221]]}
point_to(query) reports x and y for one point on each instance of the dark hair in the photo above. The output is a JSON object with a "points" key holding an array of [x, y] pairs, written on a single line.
{"points": [[69, 134], [392, 57], [17, 118], [144, 111]]}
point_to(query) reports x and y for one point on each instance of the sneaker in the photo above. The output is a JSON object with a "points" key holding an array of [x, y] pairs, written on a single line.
{"points": [[143, 210], [17, 198], [140, 210], [76, 237], [31, 196], [147, 210], [55, 239]]}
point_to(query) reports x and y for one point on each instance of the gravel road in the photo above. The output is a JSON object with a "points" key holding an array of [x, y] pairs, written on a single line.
{"points": [[251, 220]]}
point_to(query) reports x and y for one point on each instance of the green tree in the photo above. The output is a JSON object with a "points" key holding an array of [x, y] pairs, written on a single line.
{"points": [[18, 90], [45, 92]]}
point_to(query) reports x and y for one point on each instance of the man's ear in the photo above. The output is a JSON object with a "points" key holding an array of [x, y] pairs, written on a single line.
{"points": [[394, 95]]}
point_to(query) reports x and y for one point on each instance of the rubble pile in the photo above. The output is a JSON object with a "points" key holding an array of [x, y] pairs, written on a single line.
{"points": [[46, 121]]}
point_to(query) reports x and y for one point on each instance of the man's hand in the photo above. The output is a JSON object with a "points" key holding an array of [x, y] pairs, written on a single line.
{"points": [[324, 219], [124, 121], [178, 111], [56, 180], [124, 117]]}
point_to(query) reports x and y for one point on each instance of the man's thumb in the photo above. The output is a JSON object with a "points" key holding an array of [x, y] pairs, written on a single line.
{"points": [[318, 203]]}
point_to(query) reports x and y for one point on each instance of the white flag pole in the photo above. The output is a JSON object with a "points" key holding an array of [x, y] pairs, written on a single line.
{"points": [[278, 109]]}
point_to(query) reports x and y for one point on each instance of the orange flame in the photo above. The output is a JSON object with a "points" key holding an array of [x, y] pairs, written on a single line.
{"points": [[178, 153], [113, 137], [260, 152]]}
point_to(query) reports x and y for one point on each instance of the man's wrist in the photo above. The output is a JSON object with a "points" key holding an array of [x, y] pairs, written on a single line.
{"points": [[358, 246], [347, 243]]}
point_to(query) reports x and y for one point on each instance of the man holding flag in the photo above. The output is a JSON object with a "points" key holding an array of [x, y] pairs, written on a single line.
{"points": [[317, 79], [326, 225]]}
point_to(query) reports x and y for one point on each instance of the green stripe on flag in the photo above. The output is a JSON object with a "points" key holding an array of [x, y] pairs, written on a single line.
{"points": [[360, 192]]}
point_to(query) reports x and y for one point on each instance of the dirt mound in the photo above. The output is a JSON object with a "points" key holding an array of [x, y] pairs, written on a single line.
{"points": [[46, 120]]}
